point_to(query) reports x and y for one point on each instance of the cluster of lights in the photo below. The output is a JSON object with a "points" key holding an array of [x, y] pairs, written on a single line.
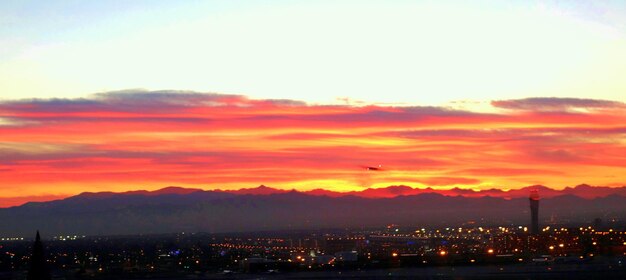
{"points": [[67, 237], [238, 246], [345, 238], [11, 238]]}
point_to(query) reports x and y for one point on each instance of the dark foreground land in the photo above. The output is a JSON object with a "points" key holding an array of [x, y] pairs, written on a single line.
{"points": [[599, 269], [390, 252], [516, 271]]}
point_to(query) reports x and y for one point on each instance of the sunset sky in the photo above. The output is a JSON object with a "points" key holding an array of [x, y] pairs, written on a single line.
{"points": [[126, 95]]}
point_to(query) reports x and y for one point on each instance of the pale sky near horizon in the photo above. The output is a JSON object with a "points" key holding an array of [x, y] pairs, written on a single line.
{"points": [[397, 52]]}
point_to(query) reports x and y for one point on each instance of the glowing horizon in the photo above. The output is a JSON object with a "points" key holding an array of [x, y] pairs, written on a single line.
{"points": [[132, 140]]}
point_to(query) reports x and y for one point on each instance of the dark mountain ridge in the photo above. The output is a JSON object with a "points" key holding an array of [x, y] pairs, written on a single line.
{"points": [[178, 209], [583, 190]]}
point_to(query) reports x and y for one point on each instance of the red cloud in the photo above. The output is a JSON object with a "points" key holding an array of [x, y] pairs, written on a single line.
{"points": [[125, 139]]}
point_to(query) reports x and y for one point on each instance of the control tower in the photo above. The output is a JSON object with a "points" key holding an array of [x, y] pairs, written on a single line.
{"points": [[534, 211]]}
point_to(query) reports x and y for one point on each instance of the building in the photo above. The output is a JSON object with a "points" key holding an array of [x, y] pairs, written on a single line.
{"points": [[534, 211]]}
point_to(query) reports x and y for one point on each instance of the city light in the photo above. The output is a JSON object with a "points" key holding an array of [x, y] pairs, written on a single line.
{"points": [[366, 247]]}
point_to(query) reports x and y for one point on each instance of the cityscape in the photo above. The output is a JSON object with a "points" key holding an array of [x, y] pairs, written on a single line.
{"points": [[326, 139], [505, 251]]}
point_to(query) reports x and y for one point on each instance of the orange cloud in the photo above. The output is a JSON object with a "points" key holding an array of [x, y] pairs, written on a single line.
{"points": [[146, 140]]}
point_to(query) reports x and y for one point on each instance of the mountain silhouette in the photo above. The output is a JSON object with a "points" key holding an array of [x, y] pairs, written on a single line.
{"points": [[583, 191], [193, 210]]}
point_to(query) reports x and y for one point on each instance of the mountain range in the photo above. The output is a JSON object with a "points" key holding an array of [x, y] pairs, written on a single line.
{"points": [[176, 209], [583, 190]]}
